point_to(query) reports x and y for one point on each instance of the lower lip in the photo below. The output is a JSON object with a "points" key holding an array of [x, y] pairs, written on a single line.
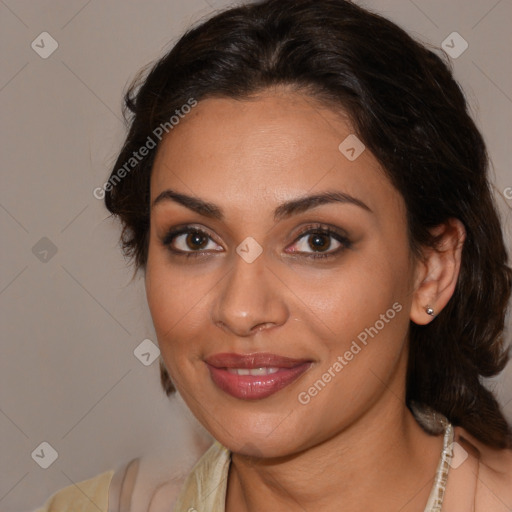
{"points": [[252, 387]]}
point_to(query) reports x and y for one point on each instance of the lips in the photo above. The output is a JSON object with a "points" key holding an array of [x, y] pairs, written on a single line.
{"points": [[254, 376]]}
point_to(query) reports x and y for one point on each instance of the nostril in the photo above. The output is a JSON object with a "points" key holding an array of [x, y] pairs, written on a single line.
{"points": [[261, 326]]}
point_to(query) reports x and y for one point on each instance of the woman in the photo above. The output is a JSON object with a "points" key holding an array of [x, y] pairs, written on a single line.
{"points": [[307, 197]]}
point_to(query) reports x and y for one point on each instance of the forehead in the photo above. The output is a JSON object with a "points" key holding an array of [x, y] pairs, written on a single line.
{"points": [[276, 145]]}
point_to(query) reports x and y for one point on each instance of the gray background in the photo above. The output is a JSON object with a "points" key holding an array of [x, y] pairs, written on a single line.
{"points": [[70, 324]]}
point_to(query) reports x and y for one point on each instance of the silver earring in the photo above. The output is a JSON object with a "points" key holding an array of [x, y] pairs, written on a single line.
{"points": [[429, 311]]}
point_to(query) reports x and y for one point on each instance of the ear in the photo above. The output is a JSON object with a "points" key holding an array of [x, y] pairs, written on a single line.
{"points": [[436, 273]]}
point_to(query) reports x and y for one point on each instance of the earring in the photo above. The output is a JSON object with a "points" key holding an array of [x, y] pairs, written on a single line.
{"points": [[429, 311]]}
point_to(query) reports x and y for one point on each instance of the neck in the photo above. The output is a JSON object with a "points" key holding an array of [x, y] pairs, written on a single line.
{"points": [[384, 461]]}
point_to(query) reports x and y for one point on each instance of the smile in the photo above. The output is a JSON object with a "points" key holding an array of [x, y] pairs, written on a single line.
{"points": [[253, 372], [254, 376]]}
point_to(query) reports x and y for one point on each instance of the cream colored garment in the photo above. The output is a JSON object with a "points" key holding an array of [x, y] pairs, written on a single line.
{"points": [[87, 496], [129, 489], [204, 489]]}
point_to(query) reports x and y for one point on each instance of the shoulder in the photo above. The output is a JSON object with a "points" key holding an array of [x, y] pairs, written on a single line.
{"points": [[206, 484], [148, 484], [486, 471], [87, 496], [494, 484], [131, 491]]}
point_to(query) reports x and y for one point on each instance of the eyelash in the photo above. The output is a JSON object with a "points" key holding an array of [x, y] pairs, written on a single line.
{"points": [[316, 229]]}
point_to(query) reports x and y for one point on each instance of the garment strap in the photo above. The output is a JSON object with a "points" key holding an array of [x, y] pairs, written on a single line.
{"points": [[435, 499], [121, 487]]}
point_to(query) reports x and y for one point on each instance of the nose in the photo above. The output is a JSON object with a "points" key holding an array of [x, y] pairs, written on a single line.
{"points": [[249, 299]]}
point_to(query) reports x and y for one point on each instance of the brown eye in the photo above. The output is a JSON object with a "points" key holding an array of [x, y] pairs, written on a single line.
{"points": [[196, 240], [320, 242], [190, 241]]}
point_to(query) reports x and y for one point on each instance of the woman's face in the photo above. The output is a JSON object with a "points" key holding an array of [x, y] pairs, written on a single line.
{"points": [[282, 321]]}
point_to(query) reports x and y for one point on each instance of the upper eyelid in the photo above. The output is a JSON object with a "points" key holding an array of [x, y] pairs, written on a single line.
{"points": [[185, 228], [306, 230]]}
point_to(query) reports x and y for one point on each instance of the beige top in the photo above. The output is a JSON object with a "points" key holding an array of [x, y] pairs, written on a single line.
{"points": [[470, 477], [462, 483], [205, 488]]}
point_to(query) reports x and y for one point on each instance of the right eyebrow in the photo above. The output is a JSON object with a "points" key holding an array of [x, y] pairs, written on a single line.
{"points": [[192, 203]]}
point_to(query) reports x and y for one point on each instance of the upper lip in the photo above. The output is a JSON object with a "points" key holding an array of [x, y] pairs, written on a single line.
{"points": [[255, 360]]}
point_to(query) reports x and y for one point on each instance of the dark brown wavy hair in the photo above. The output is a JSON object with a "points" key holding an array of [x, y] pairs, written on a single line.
{"points": [[409, 111]]}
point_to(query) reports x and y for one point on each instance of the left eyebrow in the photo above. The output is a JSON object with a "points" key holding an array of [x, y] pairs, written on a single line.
{"points": [[305, 203], [283, 211]]}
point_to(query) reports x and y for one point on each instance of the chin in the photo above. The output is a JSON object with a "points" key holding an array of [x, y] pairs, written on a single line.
{"points": [[256, 437]]}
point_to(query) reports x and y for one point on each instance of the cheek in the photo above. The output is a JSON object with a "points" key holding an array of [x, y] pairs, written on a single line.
{"points": [[364, 307], [178, 296], [352, 297], [169, 294]]}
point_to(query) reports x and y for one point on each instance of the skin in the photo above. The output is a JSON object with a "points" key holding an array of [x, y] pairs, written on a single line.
{"points": [[355, 442]]}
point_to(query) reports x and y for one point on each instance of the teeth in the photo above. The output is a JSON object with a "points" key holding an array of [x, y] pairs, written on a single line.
{"points": [[252, 371]]}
